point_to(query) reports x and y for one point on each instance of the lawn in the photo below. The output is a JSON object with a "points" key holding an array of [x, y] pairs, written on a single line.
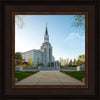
{"points": [[21, 75], [76, 74]]}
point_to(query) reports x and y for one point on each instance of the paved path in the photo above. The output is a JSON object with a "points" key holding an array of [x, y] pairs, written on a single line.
{"points": [[49, 78]]}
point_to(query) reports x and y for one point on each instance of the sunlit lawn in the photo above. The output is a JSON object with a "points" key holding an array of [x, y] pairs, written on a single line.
{"points": [[76, 74], [21, 75]]}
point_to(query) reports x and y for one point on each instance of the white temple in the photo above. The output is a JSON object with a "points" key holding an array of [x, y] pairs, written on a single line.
{"points": [[43, 55]]}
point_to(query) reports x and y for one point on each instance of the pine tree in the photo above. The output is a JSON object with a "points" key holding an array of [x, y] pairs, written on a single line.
{"points": [[18, 58]]}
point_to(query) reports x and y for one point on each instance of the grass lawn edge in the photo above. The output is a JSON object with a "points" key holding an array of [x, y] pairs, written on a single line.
{"points": [[65, 72], [20, 75]]}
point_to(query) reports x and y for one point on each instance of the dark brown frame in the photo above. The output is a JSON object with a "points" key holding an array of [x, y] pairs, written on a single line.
{"points": [[93, 9], [50, 13]]}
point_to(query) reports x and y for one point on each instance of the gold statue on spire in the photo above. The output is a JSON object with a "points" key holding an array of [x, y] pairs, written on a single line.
{"points": [[46, 24]]}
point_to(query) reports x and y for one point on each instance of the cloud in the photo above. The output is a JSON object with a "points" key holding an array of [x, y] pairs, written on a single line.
{"points": [[75, 40], [73, 36]]}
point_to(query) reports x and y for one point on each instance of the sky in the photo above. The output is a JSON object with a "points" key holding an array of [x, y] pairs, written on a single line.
{"points": [[67, 41]]}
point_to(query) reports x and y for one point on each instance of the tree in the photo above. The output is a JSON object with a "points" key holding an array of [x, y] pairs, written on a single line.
{"points": [[40, 64], [58, 64], [64, 62], [30, 62], [81, 57], [38, 61], [18, 58], [79, 21], [61, 61], [74, 62], [81, 60], [70, 62], [19, 20], [67, 62]]}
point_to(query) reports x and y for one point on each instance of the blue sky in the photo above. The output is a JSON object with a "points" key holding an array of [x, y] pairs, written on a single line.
{"points": [[67, 41]]}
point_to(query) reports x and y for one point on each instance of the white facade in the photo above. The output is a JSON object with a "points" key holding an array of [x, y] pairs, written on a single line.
{"points": [[27, 55], [43, 55]]}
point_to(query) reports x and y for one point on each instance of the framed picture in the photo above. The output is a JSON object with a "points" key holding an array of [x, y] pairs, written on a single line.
{"points": [[42, 60], [49, 49]]}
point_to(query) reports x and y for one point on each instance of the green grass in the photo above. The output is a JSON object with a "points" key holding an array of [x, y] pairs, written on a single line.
{"points": [[76, 74], [21, 75]]}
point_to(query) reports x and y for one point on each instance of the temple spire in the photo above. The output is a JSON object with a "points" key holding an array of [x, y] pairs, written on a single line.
{"points": [[46, 24], [46, 29], [46, 36]]}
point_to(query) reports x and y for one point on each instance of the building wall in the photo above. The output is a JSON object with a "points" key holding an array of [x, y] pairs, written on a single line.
{"points": [[53, 59], [34, 55], [44, 55], [50, 54], [27, 55], [47, 56], [37, 55]]}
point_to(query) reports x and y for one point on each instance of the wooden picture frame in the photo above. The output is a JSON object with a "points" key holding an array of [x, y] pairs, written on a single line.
{"points": [[8, 88], [50, 13]]}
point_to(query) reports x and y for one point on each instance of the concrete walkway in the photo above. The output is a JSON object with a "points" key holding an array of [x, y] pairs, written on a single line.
{"points": [[50, 78]]}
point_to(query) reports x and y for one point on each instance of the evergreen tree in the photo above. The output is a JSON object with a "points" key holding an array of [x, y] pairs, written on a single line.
{"points": [[18, 58]]}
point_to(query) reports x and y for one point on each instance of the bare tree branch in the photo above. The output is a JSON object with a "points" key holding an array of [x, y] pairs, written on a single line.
{"points": [[19, 21]]}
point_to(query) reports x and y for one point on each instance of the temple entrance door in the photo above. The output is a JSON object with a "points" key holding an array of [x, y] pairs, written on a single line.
{"points": [[52, 64]]}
